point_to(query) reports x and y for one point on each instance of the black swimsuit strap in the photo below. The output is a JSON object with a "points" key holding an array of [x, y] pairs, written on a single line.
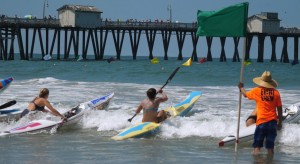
{"points": [[40, 108]]}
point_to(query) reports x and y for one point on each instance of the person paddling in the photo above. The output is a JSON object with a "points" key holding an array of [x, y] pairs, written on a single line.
{"points": [[150, 106], [39, 103], [267, 100]]}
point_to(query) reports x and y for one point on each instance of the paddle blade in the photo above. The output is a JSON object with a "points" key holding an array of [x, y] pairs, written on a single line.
{"points": [[188, 62], [8, 104]]}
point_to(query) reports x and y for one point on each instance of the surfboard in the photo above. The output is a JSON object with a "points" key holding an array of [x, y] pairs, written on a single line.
{"points": [[5, 83], [291, 115], [74, 115], [145, 128]]}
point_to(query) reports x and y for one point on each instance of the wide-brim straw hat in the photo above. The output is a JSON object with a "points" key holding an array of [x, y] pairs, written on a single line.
{"points": [[265, 80]]}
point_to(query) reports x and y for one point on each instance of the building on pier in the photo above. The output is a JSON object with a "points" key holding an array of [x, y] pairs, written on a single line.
{"points": [[265, 22], [79, 16]]}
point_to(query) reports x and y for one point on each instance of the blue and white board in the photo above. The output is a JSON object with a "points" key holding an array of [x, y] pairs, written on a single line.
{"points": [[9, 114], [5, 83], [146, 128], [291, 115]]}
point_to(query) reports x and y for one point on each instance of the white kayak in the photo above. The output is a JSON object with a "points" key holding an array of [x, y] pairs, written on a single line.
{"points": [[73, 115], [291, 115]]}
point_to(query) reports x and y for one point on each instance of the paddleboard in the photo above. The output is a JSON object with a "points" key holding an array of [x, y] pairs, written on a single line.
{"points": [[73, 115], [146, 128], [291, 115], [5, 83]]}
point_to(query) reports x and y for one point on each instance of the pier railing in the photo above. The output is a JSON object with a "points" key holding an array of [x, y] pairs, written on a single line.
{"points": [[45, 29]]}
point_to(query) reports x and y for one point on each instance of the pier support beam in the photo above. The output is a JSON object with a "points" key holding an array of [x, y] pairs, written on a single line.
{"points": [[273, 43], [97, 43], [83, 44], [90, 36], [236, 56], [58, 44], [20, 43], [134, 41], [47, 40], [66, 44], [195, 42], [296, 49], [166, 36], [103, 42], [180, 41], [223, 55], [71, 40], [284, 55], [209, 42], [53, 42], [261, 44], [118, 40], [12, 40], [27, 43], [248, 46], [150, 35]]}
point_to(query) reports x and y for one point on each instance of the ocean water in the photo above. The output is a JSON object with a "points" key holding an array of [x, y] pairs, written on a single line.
{"points": [[191, 139]]}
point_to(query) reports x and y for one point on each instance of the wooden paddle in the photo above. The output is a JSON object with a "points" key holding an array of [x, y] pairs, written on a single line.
{"points": [[8, 104], [169, 79]]}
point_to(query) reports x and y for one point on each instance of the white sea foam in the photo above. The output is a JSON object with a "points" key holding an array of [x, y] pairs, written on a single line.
{"points": [[214, 115]]}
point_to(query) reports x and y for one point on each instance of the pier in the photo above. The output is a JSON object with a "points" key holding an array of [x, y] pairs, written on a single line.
{"points": [[47, 33]]}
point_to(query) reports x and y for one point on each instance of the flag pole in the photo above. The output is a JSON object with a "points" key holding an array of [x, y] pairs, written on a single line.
{"points": [[240, 95]]}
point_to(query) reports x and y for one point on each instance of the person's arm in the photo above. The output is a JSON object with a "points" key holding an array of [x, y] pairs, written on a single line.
{"points": [[139, 108], [53, 110], [279, 113], [242, 89], [164, 96]]}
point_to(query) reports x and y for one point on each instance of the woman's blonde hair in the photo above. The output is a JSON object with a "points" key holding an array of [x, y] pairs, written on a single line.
{"points": [[44, 92]]}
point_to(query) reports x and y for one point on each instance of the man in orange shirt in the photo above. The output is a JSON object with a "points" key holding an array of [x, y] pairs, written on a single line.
{"points": [[267, 100]]}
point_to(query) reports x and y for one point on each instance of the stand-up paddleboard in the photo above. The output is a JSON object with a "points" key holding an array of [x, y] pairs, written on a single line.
{"points": [[290, 115], [146, 128], [5, 83], [73, 115]]}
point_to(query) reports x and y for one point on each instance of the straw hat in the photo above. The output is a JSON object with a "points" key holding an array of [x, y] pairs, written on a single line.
{"points": [[265, 80]]}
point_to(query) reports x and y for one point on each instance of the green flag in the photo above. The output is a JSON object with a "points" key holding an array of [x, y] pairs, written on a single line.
{"points": [[230, 21]]}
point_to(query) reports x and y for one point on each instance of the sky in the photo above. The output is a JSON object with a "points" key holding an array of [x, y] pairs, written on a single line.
{"points": [[182, 11]]}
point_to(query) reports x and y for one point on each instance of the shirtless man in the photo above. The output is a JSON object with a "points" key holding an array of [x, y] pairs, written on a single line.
{"points": [[150, 106]]}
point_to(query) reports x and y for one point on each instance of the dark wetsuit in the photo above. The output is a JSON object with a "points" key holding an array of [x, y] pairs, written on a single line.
{"points": [[37, 108]]}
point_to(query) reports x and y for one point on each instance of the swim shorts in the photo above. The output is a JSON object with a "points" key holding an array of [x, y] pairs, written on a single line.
{"points": [[268, 131]]}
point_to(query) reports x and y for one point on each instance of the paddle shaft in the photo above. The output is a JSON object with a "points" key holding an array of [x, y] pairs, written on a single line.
{"points": [[240, 96], [169, 79], [8, 104]]}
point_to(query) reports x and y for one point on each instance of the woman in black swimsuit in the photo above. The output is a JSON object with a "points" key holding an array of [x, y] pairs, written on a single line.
{"points": [[39, 103]]}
